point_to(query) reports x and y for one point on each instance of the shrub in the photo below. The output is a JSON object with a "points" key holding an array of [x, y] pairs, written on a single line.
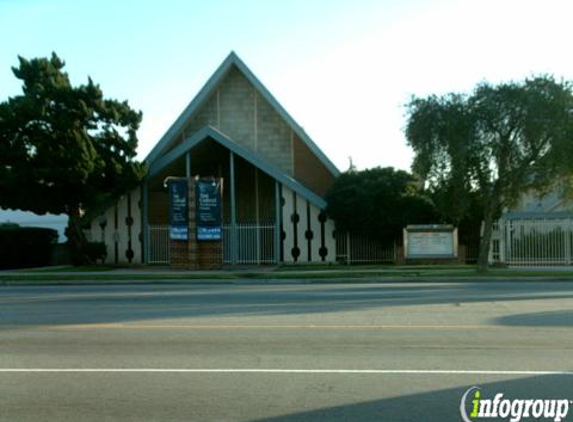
{"points": [[22, 247], [378, 202], [95, 251]]}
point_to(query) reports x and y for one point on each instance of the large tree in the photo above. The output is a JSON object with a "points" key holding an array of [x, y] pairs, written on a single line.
{"points": [[64, 149], [493, 145], [378, 201]]}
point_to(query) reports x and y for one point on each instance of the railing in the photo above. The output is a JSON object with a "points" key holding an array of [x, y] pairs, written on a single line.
{"points": [[533, 241], [158, 250], [352, 248], [255, 244]]}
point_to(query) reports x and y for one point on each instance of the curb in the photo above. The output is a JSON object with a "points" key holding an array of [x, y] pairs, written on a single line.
{"points": [[271, 281]]}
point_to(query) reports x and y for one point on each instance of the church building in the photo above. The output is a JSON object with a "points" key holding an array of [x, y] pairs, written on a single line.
{"points": [[274, 179]]}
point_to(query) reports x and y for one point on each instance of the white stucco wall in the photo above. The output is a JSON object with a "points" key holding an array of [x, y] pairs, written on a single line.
{"points": [[127, 208], [301, 228]]}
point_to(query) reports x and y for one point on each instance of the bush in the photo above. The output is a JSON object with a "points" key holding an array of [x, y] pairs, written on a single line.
{"points": [[22, 247], [95, 251], [378, 202]]}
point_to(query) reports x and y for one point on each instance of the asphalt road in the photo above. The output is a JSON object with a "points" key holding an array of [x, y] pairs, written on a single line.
{"points": [[356, 352]]}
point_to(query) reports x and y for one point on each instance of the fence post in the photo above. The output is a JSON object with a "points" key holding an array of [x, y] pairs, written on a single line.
{"points": [[348, 257], [258, 233], [501, 226], [507, 236], [145, 221], [277, 234], [567, 236], [233, 225]]}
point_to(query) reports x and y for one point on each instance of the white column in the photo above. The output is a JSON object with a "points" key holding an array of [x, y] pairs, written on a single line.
{"points": [[301, 228], [287, 212], [315, 227]]}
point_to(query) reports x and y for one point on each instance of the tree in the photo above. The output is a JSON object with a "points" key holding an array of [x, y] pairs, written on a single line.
{"points": [[64, 149], [379, 201], [494, 144]]}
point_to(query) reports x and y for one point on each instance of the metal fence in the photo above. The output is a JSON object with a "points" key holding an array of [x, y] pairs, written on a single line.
{"points": [[352, 248], [158, 250], [533, 242], [255, 244]]}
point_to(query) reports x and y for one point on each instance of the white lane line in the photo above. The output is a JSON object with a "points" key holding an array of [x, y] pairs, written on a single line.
{"points": [[283, 371]]}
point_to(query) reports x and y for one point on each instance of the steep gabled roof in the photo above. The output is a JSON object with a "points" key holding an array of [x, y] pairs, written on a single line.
{"points": [[207, 90], [209, 132]]}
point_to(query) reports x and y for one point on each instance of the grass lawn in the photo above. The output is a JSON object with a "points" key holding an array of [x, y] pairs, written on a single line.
{"points": [[69, 269], [320, 273]]}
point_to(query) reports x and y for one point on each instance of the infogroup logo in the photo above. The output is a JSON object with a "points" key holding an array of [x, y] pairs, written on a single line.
{"points": [[513, 409]]}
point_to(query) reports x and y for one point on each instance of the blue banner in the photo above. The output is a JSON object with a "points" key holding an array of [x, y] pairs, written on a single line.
{"points": [[208, 209], [178, 216]]}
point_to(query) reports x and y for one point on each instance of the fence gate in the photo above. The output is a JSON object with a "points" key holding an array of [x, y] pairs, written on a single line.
{"points": [[353, 248], [255, 244], [158, 250], [533, 242]]}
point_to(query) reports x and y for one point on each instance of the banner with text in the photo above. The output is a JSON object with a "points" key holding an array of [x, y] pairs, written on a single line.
{"points": [[178, 217], [208, 210]]}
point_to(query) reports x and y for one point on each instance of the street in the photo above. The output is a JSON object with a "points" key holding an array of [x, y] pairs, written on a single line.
{"points": [[258, 352]]}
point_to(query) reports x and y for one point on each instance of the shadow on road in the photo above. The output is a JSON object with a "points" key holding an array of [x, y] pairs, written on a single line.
{"points": [[439, 405], [110, 304], [562, 318]]}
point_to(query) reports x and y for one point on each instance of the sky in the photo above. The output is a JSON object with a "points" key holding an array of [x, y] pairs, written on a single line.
{"points": [[344, 70]]}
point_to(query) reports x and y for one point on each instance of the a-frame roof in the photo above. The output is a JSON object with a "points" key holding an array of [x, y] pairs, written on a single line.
{"points": [[209, 132], [207, 90]]}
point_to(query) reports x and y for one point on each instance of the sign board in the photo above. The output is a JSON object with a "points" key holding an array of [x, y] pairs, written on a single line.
{"points": [[431, 241], [208, 209], [178, 216]]}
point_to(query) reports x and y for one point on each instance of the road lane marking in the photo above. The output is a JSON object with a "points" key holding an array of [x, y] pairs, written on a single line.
{"points": [[261, 326], [119, 326], [235, 327], [286, 371]]}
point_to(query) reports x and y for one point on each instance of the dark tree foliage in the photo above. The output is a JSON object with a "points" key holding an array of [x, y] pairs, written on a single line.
{"points": [[490, 147], [64, 149], [378, 201]]}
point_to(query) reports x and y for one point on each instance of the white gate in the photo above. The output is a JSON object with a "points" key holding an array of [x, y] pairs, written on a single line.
{"points": [[533, 241], [255, 244]]}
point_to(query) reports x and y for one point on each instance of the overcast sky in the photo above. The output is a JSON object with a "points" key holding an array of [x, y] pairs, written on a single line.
{"points": [[343, 69]]}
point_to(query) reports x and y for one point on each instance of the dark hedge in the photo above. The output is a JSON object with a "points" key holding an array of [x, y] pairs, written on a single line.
{"points": [[22, 247]]}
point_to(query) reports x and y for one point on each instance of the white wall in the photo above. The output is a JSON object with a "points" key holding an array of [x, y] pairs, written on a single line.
{"points": [[303, 224], [128, 206], [110, 236]]}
